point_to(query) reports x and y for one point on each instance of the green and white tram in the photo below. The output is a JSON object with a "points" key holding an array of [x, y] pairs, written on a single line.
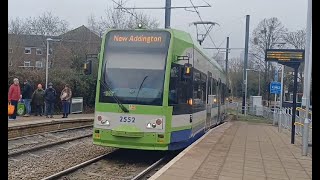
{"points": [[156, 90]]}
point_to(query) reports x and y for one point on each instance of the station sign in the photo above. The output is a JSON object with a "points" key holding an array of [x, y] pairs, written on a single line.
{"points": [[275, 87]]}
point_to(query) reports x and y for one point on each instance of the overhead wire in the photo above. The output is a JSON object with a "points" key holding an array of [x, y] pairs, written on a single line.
{"points": [[131, 13]]}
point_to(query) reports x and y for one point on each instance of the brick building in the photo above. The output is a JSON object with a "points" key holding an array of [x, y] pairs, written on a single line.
{"points": [[30, 51]]}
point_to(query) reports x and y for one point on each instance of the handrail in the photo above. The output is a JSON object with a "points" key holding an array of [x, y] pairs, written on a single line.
{"points": [[298, 123], [301, 109]]}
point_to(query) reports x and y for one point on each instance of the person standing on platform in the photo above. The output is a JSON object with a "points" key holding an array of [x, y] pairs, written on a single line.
{"points": [[14, 96], [26, 97], [38, 100], [65, 97], [50, 95]]}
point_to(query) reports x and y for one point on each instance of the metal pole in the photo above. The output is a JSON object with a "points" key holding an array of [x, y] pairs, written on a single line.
{"points": [[307, 79], [274, 109], [227, 53], [237, 110], [245, 94], [245, 61], [47, 64], [259, 84], [167, 14], [281, 96], [294, 106]]}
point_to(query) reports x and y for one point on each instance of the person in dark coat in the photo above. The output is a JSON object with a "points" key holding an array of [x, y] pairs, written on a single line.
{"points": [[50, 95], [38, 100], [26, 97], [65, 97]]}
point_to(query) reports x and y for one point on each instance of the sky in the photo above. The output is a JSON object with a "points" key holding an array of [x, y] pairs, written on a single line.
{"points": [[229, 14]]}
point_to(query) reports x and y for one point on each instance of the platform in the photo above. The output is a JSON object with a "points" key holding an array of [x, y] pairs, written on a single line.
{"points": [[239, 150], [20, 121]]}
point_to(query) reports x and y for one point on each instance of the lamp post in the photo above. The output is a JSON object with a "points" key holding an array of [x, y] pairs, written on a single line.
{"points": [[48, 39]]}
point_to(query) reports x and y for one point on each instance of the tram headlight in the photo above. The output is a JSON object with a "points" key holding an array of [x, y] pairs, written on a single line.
{"points": [[149, 126], [107, 123], [215, 100]]}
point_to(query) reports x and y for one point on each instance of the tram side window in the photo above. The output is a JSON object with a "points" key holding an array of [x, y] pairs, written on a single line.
{"points": [[199, 87], [203, 87], [214, 87]]}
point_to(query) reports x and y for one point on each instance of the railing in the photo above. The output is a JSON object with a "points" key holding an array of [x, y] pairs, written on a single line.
{"points": [[286, 121]]}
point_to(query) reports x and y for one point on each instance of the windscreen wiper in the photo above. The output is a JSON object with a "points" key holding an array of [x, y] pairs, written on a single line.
{"points": [[105, 85], [141, 86]]}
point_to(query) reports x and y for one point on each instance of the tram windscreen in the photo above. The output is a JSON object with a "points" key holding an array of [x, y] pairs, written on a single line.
{"points": [[134, 66]]}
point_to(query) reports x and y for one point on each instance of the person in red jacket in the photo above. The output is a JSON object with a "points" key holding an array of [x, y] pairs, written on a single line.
{"points": [[14, 96]]}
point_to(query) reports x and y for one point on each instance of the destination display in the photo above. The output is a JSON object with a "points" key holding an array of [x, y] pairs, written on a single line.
{"points": [[155, 39], [285, 55]]}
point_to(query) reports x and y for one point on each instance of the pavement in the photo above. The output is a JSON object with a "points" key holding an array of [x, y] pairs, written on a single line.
{"points": [[240, 151]]}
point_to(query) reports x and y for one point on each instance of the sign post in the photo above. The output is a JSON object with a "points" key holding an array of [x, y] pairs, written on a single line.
{"points": [[291, 58]]}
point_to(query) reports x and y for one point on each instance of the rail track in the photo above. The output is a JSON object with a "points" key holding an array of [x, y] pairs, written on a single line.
{"points": [[18, 146], [119, 164]]}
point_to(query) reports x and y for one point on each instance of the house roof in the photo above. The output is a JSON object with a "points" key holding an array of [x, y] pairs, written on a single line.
{"points": [[81, 33]]}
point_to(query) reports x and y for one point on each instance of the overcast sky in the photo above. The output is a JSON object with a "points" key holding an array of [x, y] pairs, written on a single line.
{"points": [[230, 14]]}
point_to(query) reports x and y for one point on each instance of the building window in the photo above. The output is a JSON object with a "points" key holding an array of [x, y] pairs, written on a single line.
{"points": [[39, 52], [39, 64], [27, 64], [10, 50], [27, 50]]}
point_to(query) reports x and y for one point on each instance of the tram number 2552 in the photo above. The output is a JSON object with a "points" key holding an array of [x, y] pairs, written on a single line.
{"points": [[128, 119]]}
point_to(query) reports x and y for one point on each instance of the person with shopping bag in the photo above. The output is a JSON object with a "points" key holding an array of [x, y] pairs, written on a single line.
{"points": [[14, 96]]}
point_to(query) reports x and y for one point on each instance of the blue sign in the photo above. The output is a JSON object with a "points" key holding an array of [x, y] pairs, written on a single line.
{"points": [[275, 87]]}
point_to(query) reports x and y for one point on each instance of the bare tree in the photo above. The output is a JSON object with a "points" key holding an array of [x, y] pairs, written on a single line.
{"points": [[235, 74], [96, 25], [296, 39], [48, 25], [18, 26], [120, 19], [265, 36]]}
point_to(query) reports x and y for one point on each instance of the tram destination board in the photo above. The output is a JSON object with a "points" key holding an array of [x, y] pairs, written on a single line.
{"points": [[284, 56]]}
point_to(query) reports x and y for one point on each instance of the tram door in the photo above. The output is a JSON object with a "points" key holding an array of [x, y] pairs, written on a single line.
{"points": [[209, 101], [219, 100]]}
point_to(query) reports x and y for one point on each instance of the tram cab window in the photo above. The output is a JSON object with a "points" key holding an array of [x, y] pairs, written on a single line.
{"points": [[180, 90]]}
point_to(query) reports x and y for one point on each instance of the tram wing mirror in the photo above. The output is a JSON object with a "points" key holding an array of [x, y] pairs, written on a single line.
{"points": [[187, 71]]}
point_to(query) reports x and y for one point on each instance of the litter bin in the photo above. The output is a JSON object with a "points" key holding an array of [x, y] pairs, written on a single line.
{"points": [[76, 105], [21, 109]]}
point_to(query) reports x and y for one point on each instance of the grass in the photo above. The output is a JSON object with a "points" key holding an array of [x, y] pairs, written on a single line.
{"points": [[249, 118]]}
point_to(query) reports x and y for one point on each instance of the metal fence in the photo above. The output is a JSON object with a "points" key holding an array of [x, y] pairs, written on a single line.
{"points": [[286, 121]]}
